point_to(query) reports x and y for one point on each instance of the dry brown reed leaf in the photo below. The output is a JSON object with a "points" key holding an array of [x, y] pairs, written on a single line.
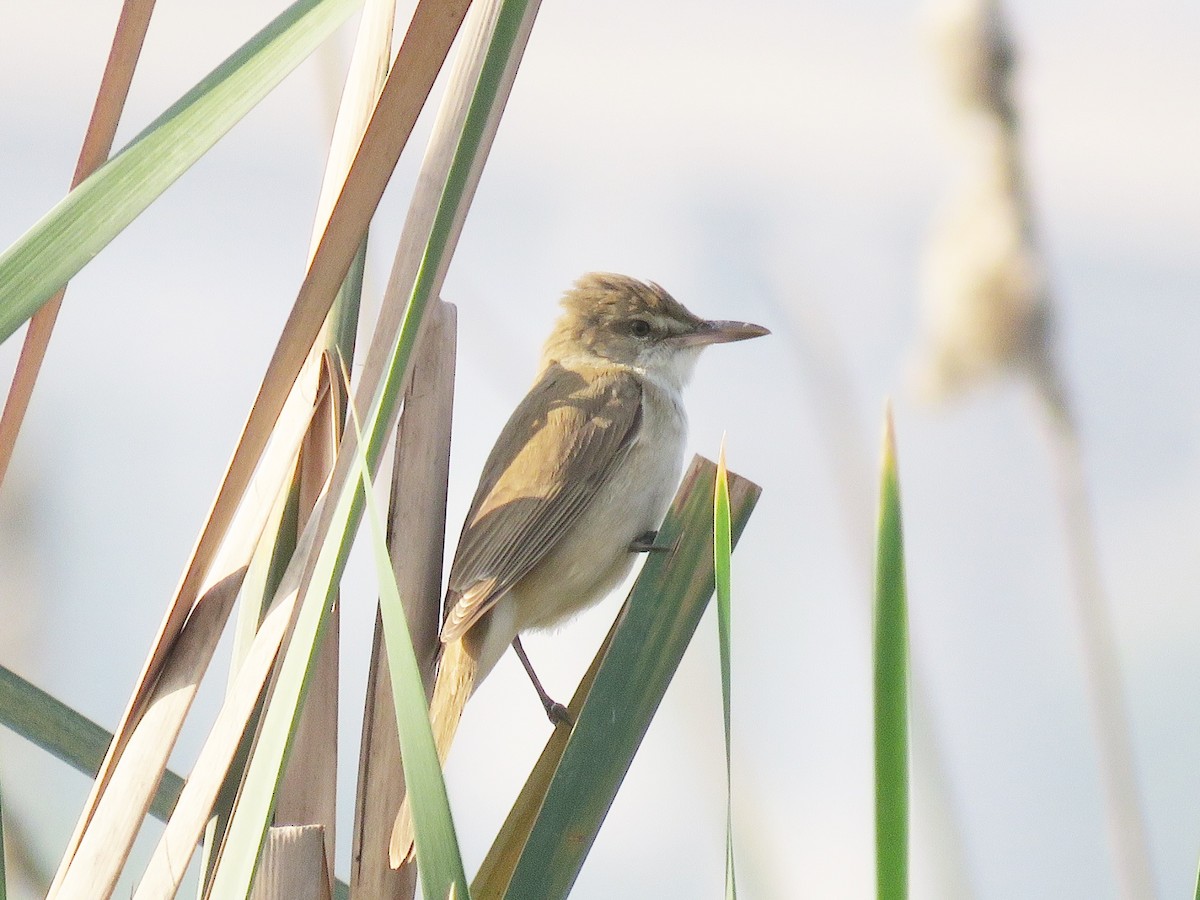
{"points": [[418, 61], [97, 143]]}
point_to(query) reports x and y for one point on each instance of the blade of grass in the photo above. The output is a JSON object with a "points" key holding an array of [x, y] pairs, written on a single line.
{"points": [[62, 732], [462, 138], [891, 685], [438, 854], [167, 865], [835, 405], [281, 413], [237, 857], [97, 142], [654, 629], [216, 807], [462, 135], [83, 222], [416, 538], [722, 551], [236, 862]]}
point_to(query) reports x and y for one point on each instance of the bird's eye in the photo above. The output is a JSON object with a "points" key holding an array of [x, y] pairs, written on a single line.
{"points": [[639, 327]]}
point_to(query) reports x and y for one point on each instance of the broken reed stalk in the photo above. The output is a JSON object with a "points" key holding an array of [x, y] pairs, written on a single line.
{"points": [[294, 865], [417, 527]]}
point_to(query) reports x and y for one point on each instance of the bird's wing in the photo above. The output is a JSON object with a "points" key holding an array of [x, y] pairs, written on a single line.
{"points": [[560, 445]]}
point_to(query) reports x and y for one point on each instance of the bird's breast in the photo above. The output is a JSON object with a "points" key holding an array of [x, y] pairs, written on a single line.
{"points": [[594, 555]]}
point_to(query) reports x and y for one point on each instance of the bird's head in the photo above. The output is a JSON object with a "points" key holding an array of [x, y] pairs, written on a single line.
{"points": [[612, 319]]}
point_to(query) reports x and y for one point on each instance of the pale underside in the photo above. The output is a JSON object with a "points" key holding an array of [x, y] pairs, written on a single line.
{"points": [[562, 443]]}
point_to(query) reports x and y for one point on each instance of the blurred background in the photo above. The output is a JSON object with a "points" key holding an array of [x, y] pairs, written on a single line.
{"points": [[774, 162]]}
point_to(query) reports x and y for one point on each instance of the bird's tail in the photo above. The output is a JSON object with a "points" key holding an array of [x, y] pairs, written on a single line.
{"points": [[455, 681]]}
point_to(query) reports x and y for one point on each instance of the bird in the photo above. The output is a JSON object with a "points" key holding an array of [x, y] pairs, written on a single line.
{"points": [[575, 486]]}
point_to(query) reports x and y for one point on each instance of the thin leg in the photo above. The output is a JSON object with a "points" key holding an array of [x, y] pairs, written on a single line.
{"points": [[555, 712], [644, 543]]}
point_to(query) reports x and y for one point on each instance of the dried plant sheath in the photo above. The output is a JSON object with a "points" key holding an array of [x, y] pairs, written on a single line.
{"points": [[417, 514]]}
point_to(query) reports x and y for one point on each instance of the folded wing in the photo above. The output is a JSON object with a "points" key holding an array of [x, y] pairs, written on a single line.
{"points": [[561, 444]]}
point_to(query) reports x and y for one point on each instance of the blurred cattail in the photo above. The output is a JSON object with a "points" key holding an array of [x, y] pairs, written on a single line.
{"points": [[987, 313], [976, 55], [985, 304]]}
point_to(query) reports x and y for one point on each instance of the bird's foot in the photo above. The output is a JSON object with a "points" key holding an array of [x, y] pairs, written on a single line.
{"points": [[558, 714], [645, 543], [555, 712]]}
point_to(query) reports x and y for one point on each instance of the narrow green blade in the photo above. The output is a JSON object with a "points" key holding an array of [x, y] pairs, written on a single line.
{"points": [[891, 686], [722, 553], [48, 255], [653, 631], [438, 855], [75, 739]]}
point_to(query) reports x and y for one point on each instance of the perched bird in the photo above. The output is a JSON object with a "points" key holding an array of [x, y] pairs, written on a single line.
{"points": [[576, 484]]}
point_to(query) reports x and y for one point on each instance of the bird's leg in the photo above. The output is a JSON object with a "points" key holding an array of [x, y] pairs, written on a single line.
{"points": [[644, 543], [555, 712]]}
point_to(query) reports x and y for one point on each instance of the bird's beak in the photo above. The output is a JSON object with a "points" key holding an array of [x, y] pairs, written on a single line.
{"points": [[716, 332]]}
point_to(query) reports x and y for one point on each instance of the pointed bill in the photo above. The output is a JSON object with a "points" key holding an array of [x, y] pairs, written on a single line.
{"points": [[721, 332]]}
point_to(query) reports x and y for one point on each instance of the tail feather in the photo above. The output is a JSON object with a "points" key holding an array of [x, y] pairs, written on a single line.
{"points": [[455, 681]]}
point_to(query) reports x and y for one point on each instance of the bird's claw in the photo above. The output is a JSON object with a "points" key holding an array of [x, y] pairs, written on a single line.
{"points": [[645, 543], [559, 715]]}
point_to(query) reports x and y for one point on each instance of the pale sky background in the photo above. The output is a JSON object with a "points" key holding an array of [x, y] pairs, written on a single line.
{"points": [[774, 162]]}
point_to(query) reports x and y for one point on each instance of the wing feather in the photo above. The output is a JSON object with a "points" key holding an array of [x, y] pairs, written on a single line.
{"points": [[560, 445]]}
